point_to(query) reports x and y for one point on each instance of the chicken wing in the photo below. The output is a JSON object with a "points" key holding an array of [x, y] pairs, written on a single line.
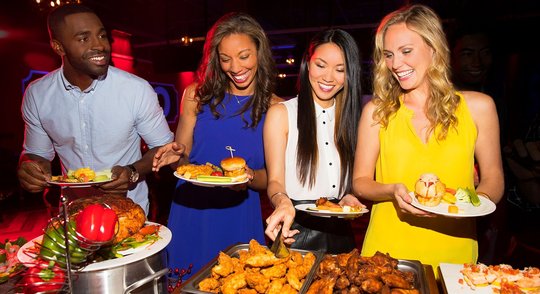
{"points": [[224, 267], [233, 282], [209, 285]]}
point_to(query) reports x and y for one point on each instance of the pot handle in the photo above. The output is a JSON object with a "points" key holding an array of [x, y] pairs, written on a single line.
{"points": [[146, 280]]}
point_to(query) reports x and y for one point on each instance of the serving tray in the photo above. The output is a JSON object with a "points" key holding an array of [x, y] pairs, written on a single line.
{"points": [[192, 284]]}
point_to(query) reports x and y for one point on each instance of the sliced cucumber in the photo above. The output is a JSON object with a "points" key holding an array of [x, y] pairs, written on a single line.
{"points": [[475, 200], [214, 179]]}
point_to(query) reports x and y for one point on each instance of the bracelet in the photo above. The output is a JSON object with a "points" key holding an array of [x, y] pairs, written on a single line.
{"points": [[277, 193], [483, 194]]}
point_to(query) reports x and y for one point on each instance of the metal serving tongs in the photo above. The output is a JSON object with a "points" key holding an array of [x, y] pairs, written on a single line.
{"points": [[278, 247]]}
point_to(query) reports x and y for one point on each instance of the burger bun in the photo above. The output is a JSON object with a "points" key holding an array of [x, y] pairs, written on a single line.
{"points": [[429, 190], [234, 167]]}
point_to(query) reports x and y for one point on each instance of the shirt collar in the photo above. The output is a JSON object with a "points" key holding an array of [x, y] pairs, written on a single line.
{"points": [[68, 86], [330, 112]]}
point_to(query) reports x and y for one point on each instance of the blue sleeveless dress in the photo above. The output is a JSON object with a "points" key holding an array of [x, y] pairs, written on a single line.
{"points": [[206, 220]]}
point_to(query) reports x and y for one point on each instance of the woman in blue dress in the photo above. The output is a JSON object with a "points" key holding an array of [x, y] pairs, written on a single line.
{"points": [[225, 107]]}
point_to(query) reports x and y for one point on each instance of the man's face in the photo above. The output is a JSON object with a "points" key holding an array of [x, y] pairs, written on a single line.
{"points": [[85, 47], [472, 59]]}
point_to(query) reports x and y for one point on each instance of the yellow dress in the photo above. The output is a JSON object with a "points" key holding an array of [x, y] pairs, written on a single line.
{"points": [[403, 158]]}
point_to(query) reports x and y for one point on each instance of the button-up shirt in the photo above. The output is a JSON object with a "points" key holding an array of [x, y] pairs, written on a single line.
{"points": [[328, 169], [98, 127]]}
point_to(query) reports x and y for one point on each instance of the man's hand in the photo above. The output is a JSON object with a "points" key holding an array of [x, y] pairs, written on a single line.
{"points": [[33, 173], [120, 181]]}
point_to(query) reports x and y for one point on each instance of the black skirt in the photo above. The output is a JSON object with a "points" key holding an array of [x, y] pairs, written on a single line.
{"points": [[331, 235]]}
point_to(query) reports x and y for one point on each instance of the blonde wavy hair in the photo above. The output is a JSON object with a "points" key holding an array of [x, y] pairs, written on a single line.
{"points": [[443, 100]]}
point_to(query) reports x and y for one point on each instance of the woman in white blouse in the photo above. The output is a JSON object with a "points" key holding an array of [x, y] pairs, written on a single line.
{"points": [[310, 142]]}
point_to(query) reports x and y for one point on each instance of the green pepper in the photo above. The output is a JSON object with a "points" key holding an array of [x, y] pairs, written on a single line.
{"points": [[53, 245]]}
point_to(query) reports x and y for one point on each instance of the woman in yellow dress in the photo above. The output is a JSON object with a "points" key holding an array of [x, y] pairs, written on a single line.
{"points": [[418, 123]]}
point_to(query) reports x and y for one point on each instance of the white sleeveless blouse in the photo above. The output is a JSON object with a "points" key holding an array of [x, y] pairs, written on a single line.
{"points": [[328, 170]]}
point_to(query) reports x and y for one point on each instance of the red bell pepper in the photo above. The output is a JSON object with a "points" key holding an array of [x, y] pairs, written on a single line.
{"points": [[44, 277], [96, 223]]}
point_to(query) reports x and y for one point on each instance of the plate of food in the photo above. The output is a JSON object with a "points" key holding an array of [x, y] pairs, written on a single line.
{"points": [[433, 196], [133, 237], [232, 172], [82, 177], [480, 278], [126, 251], [326, 208], [10, 265]]}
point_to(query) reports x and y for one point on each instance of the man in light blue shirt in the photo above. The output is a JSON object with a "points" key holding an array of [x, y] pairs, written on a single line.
{"points": [[89, 113]]}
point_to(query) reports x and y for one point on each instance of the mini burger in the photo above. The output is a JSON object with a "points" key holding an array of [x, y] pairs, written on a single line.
{"points": [[234, 167], [429, 190]]}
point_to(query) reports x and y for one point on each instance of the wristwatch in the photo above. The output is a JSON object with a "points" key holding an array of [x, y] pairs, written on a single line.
{"points": [[134, 177]]}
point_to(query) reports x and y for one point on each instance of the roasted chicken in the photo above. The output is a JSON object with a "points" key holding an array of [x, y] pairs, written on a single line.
{"points": [[352, 273]]}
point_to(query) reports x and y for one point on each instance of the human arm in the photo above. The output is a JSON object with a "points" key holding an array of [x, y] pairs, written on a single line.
{"points": [[275, 143], [258, 178], [33, 172], [34, 167], [367, 152], [178, 151], [487, 150]]}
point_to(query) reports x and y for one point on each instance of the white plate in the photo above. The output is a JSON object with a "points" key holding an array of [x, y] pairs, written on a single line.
{"points": [[312, 209], [79, 184], [136, 254], [465, 209], [451, 275], [209, 184]]}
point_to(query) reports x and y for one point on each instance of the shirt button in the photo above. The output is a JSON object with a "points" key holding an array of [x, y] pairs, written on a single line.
{"points": [[326, 143], [84, 125], [333, 186], [324, 111], [330, 163], [324, 122]]}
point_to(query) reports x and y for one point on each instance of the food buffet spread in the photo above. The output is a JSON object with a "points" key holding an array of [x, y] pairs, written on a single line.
{"points": [[106, 245]]}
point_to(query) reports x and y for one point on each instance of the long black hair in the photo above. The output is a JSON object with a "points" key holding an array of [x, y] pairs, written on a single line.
{"points": [[348, 108]]}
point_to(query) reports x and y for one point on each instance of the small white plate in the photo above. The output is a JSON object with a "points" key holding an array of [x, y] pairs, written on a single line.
{"points": [[27, 256], [79, 184], [312, 209], [451, 276], [209, 184], [465, 209]]}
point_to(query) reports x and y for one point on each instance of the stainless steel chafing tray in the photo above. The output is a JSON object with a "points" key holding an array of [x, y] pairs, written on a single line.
{"points": [[414, 266], [192, 285], [420, 279]]}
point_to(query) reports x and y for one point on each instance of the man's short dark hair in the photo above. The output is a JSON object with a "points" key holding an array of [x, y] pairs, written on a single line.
{"points": [[57, 15]]}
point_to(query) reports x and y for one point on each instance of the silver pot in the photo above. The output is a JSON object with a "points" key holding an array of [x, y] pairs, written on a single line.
{"points": [[147, 275], [140, 272]]}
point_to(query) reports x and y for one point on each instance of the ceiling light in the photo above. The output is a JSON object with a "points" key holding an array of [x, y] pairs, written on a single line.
{"points": [[43, 5]]}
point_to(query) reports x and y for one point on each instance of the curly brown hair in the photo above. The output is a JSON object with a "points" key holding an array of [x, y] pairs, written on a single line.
{"points": [[213, 82]]}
